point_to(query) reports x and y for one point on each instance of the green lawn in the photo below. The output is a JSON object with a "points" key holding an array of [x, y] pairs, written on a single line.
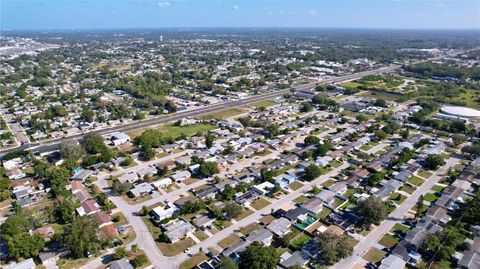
{"points": [[295, 186], [222, 114], [399, 227], [229, 241], [249, 228], [170, 250], [200, 235], [324, 213], [300, 199], [430, 197], [397, 197], [366, 147], [193, 261], [374, 255], [424, 174], [263, 103], [407, 188], [415, 181], [298, 240], [244, 214], [170, 130], [260, 203], [388, 241], [335, 164], [437, 188], [328, 183]]}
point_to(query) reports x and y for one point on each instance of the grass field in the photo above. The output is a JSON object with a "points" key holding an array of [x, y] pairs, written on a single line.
{"points": [[415, 181], [407, 188], [388, 241], [222, 114], [300, 199], [430, 197], [424, 174], [328, 183], [263, 103], [259, 203], [397, 197], [298, 240], [437, 188], [245, 213], [229, 241], [374, 255], [249, 228], [399, 227], [193, 261], [295, 186], [170, 250], [170, 130]]}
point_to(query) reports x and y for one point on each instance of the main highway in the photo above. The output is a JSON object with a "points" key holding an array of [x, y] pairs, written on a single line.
{"points": [[46, 146]]}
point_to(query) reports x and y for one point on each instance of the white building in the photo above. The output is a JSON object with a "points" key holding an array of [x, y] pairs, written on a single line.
{"points": [[162, 212]]}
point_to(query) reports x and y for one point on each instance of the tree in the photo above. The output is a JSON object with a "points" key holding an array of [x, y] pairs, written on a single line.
{"points": [[66, 211], [418, 212], [381, 103], [87, 114], [375, 178], [473, 150], [404, 133], [139, 261], [311, 140], [380, 134], [120, 188], [58, 177], [362, 117], [232, 210], [208, 169], [227, 263], [258, 256], [119, 253], [71, 150], [371, 211], [334, 247], [135, 248], [148, 153], [268, 174], [82, 238], [228, 193], [306, 107], [208, 140], [433, 161], [312, 171], [93, 143], [324, 147]]}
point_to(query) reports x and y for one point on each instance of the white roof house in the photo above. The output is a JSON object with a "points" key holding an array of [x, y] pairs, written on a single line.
{"points": [[140, 189], [179, 176], [162, 212], [119, 138], [129, 177], [26, 264], [263, 188], [162, 182]]}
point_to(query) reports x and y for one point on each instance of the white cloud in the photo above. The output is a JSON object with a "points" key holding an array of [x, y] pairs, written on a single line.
{"points": [[236, 7], [164, 4], [312, 12]]}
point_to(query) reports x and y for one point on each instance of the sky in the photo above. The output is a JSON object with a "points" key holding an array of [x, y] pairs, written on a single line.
{"points": [[119, 14]]}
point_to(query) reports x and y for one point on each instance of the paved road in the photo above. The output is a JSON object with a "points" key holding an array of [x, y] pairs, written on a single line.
{"points": [[54, 143], [395, 217]]}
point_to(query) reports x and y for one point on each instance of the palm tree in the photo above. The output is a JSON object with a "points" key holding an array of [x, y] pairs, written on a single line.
{"points": [[135, 248]]}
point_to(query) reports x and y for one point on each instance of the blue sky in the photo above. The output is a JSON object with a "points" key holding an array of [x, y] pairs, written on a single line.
{"points": [[77, 14]]}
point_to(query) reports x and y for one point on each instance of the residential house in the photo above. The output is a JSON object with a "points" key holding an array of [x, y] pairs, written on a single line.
{"points": [[178, 230], [128, 177], [88, 207], [120, 264], [162, 183], [119, 139], [162, 212], [280, 227], [181, 175], [140, 189]]}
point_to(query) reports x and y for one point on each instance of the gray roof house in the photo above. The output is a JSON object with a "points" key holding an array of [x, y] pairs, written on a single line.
{"points": [[120, 264]]}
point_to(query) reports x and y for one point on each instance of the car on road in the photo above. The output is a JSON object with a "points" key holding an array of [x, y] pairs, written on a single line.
{"points": [[187, 250]]}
